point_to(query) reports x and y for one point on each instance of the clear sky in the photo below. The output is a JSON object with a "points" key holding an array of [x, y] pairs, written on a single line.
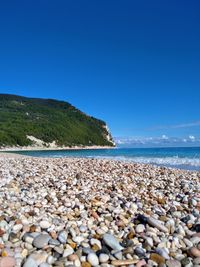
{"points": [[134, 64]]}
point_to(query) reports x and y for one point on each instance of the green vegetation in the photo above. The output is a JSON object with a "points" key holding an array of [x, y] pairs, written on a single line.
{"points": [[48, 120]]}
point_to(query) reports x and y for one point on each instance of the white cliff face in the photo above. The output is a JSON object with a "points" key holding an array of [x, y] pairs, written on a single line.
{"points": [[109, 136]]}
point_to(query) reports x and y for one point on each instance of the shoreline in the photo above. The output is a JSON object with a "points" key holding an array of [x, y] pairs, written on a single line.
{"points": [[30, 148]]}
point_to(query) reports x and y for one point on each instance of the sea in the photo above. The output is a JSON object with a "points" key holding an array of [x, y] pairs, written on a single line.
{"points": [[177, 157]]}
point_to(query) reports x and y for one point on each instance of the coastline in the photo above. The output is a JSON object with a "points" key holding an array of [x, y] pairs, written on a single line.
{"points": [[37, 148], [88, 212]]}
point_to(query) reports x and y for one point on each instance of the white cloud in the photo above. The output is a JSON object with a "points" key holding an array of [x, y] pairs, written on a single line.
{"points": [[192, 138], [157, 141]]}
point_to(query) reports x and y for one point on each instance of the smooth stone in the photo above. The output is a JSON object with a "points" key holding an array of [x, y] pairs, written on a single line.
{"points": [[195, 252], [140, 252], [7, 262], [103, 258], [45, 224], [17, 228], [123, 262], [67, 252], [156, 223], [157, 258], [140, 228], [41, 240], [50, 260], [93, 259], [149, 241], [39, 256], [62, 237], [30, 263], [94, 241], [173, 263], [83, 228], [112, 242], [162, 252]]}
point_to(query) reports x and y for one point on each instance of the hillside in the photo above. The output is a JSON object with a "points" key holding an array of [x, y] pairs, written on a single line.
{"points": [[33, 121]]}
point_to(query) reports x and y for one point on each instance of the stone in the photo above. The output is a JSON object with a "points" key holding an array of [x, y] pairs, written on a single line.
{"points": [[85, 264], [30, 263], [194, 252], [93, 259], [17, 228], [7, 262], [173, 263], [103, 258], [112, 242], [62, 237], [156, 223], [123, 262], [67, 252], [162, 252], [45, 224], [157, 258], [140, 228], [39, 256], [41, 240]]}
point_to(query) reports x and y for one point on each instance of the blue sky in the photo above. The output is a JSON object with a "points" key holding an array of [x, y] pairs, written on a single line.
{"points": [[134, 64]]}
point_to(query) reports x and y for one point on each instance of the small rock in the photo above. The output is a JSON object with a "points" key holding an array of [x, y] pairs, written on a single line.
{"points": [[140, 228], [103, 258], [30, 263], [195, 252], [7, 262], [41, 240], [155, 223], [157, 258], [111, 241], [62, 237], [45, 224], [173, 263], [93, 259]]}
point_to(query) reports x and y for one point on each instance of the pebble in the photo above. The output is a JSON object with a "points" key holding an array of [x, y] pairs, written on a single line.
{"points": [[195, 252], [156, 223], [123, 262], [93, 259], [45, 224], [103, 258], [111, 241], [30, 263], [41, 240], [62, 237], [140, 228], [173, 263], [7, 262]]}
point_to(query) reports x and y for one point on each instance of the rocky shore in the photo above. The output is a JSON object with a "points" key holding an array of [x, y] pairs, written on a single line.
{"points": [[89, 212]]}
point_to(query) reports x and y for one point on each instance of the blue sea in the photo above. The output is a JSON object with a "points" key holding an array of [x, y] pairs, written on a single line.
{"points": [[183, 158]]}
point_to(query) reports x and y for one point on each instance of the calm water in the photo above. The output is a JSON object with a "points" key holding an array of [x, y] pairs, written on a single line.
{"points": [[185, 158]]}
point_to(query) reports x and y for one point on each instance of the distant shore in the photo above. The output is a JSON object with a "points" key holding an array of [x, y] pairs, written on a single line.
{"points": [[36, 148]]}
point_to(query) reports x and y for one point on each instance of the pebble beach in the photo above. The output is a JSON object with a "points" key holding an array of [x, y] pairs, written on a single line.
{"points": [[95, 212]]}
